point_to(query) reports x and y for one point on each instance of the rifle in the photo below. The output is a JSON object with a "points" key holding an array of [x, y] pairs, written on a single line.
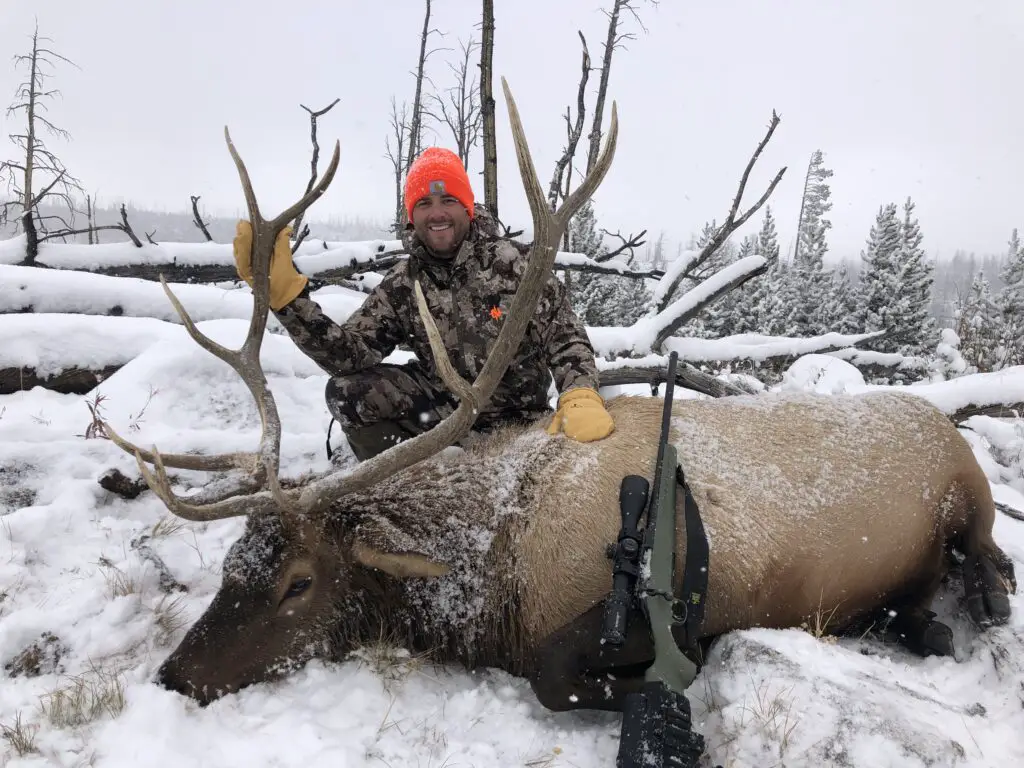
{"points": [[656, 725]]}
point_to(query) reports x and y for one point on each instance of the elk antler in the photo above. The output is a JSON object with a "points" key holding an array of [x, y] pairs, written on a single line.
{"points": [[319, 493], [264, 462]]}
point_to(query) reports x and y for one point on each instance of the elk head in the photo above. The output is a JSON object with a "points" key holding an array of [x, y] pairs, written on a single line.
{"points": [[286, 579]]}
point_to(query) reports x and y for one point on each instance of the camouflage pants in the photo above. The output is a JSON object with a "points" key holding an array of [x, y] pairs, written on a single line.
{"points": [[386, 392], [388, 403]]}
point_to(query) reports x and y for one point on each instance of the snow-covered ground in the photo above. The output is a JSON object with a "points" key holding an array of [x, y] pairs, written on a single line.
{"points": [[75, 581]]}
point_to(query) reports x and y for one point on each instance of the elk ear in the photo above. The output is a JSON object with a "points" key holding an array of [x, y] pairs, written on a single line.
{"points": [[402, 565]]}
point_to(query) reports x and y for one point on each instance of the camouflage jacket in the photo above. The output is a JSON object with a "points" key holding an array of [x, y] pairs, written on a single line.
{"points": [[469, 297]]}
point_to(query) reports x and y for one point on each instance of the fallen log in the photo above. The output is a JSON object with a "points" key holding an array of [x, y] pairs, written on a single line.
{"points": [[71, 381], [686, 376], [60, 292], [995, 410]]}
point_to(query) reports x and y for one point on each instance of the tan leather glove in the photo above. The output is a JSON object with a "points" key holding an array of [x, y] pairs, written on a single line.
{"points": [[582, 416], [285, 281]]}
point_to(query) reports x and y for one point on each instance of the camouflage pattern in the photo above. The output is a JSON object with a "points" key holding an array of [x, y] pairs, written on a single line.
{"points": [[470, 296]]}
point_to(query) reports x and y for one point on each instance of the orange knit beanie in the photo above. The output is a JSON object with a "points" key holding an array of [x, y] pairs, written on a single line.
{"points": [[438, 171]]}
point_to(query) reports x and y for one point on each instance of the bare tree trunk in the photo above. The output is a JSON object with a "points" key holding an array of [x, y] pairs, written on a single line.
{"points": [[89, 219], [800, 219], [399, 127], [487, 108], [196, 219], [602, 89], [314, 161], [41, 174], [416, 121], [28, 223], [32, 237]]}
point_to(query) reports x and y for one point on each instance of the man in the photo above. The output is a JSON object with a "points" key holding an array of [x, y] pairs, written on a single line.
{"points": [[469, 276]]}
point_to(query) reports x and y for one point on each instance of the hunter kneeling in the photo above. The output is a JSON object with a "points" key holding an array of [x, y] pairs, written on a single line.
{"points": [[469, 275]]}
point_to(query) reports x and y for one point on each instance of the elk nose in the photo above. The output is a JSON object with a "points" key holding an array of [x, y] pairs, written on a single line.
{"points": [[169, 677]]}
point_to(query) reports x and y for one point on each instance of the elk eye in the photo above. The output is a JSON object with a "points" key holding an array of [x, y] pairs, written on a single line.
{"points": [[298, 586]]}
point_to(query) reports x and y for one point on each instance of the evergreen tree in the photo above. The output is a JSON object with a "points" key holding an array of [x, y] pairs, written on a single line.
{"points": [[603, 299], [771, 312], [810, 284], [810, 245], [839, 312], [978, 325], [915, 325], [1011, 304], [880, 281], [591, 294]]}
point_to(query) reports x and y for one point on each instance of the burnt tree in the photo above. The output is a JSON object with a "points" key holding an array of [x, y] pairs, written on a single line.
{"points": [[37, 174]]}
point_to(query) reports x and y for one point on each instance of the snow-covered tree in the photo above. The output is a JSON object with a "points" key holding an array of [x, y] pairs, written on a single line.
{"points": [[1011, 303], [809, 283], [895, 292], [810, 243], [602, 299], [978, 324], [916, 327], [591, 294], [948, 363]]}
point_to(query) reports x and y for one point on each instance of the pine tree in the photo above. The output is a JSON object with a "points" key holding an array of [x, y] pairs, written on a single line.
{"points": [[603, 299], [812, 226], [978, 326], [880, 282], [810, 284], [591, 295], [770, 309], [916, 327], [1011, 304]]}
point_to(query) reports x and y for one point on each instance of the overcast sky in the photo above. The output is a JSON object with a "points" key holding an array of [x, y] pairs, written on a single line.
{"points": [[905, 97]]}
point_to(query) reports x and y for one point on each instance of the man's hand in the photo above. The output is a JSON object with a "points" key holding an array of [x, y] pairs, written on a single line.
{"points": [[581, 415], [285, 282]]}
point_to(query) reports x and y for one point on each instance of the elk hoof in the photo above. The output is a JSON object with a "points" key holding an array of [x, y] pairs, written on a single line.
{"points": [[987, 598], [937, 639]]}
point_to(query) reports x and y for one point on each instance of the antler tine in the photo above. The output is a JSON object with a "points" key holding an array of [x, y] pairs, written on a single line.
{"points": [[549, 228], [314, 194], [243, 174], [264, 462]]}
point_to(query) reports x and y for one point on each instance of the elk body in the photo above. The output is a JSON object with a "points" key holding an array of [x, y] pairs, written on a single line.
{"points": [[814, 505], [495, 555]]}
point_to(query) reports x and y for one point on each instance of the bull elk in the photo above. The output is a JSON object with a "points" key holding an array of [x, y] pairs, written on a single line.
{"points": [[496, 555]]}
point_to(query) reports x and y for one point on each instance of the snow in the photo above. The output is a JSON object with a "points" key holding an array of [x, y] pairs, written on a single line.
{"points": [[68, 566]]}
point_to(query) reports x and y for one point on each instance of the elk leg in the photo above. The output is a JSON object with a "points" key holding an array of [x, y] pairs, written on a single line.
{"points": [[573, 669], [987, 598]]}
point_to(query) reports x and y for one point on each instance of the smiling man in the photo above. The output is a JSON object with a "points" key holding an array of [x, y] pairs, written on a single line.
{"points": [[469, 276]]}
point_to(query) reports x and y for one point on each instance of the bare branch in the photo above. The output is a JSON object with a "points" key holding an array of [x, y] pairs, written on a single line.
{"points": [[127, 228], [574, 131], [302, 236], [634, 241], [732, 223], [198, 220], [315, 160]]}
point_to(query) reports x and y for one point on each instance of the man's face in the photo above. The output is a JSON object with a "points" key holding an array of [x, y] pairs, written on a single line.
{"points": [[441, 223]]}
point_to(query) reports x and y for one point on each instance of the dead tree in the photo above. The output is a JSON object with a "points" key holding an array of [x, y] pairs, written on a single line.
{"points": [[671, 313], [125, 226], [38, 174], [487, 110], [561, 178], [694, 261], [198, 220], [300, 233], [459, 106], [615, 39], [400, 133], [416, 118]]}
